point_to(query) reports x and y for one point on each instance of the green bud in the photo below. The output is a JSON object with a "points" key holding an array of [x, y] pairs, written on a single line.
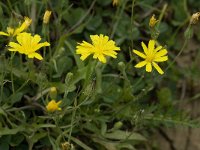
{"points": [[69, 77], [118, 125], [121, 66], [53, 93]]}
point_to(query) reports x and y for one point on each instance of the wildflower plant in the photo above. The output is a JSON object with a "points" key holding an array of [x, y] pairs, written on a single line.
{"points": [[61, 90]]}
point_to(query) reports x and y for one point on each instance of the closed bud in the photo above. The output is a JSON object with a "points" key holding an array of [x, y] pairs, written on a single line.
{"points": [[115, 2], [153, 21], [68, 77], [121, 66], [46, 17], [118, 125], [53, 93], [195, 17]]}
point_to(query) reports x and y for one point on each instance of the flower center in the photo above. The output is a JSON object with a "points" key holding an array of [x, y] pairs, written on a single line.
{"points": [[150, 58]]}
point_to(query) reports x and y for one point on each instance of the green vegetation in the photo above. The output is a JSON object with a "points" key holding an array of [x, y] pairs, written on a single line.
{"points": [[61, 102]]}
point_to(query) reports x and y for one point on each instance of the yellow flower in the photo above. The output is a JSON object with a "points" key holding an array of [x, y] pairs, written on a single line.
{"points": [[28, 45], [46, 17], [153, 21], [100, 47], [115, 2], [151, 56], [53, 106], [14, 32]]}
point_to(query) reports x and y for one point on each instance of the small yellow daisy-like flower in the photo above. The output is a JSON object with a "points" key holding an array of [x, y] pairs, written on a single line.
{"points": [[101, 46], [14, 32], [151, 56], [46, 17], [53, 106], [153, 21], [28, 45]]}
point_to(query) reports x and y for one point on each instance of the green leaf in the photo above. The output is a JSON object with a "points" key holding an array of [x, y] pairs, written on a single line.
{"points": [[164, 96], [2, 112], [4, 146], [124, 135], [74, 16], [94, 23], [37, 136], [16, 139], [64, 63], [16, 97], [83, 145], [7, 131], [109, 145], [103, 2]]}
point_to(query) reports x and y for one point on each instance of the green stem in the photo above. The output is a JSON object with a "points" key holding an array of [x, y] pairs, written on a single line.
{"points": [[11, 74], [118, 19], [72, 120], [180, 52], [132, 18]]}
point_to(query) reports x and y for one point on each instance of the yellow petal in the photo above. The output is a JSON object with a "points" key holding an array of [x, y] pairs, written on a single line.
{"points": [[3, 33], [157, 68], [38, 46], [95, 39], [35, 55], [24, 38], [139, 54], [161, 59], [102, 58], [36, 39], [151, 45], [59, 102], [84, 56], [141, 64], [144, 48], [148, 67], [14, 46], [158, 48], [110, 53], [161, 53]]}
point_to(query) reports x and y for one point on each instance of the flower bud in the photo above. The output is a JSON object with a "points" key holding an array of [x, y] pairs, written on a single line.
{"points": [[46, 17], [121, 66], [195, 17], [153, 21], [115, 2], [53, 93], [118, 125]]}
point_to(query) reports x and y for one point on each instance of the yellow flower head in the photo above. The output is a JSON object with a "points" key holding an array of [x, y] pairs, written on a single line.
{"points": [[53, 106], [28, 45], [46, 17], [151, 56], [14, 32], [153, 21], [100, 47]]}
